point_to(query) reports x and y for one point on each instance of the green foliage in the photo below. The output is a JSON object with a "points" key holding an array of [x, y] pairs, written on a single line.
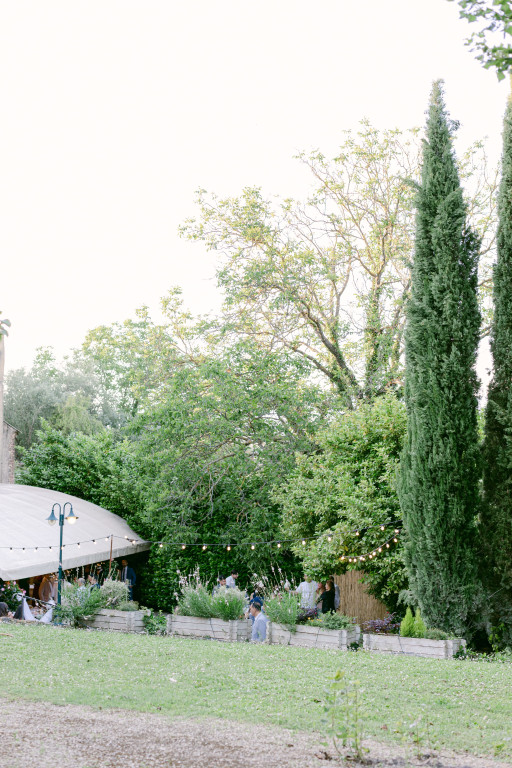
{"points": [[114, 593], [99, 468], [419, 627], [9, 593], [496, 520], [440, 463], [228, 604], [78, 602], [127, 605], [196, 601], [407, 624], [333, 621], [348, 484], [344, 715], [70, 397], [435, 634], [283, 609], [155, 622], [496, 18], [332, 294]]}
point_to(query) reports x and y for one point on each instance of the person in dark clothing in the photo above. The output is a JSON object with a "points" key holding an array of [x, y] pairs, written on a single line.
{"points": [[327, 598]]}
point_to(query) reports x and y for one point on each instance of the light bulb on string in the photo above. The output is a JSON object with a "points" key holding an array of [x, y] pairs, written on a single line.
{"points": [[204, 547], [228, 548], [357, 533], [382, 527], [303, 542], [380, 549], [160, 545], [395, 540], [329, 538], [252, 546], [279, 545], [183, 546], [387, 546]]}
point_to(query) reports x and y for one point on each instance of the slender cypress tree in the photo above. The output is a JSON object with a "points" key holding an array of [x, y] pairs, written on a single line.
{"points": [[496, 518], [440, 464]]}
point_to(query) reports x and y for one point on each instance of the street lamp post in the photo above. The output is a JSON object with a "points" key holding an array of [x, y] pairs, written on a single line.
{"points": [[52, 519]]}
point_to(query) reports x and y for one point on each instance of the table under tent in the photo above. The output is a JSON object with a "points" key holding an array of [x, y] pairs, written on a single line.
{"points": [[29, 546]]}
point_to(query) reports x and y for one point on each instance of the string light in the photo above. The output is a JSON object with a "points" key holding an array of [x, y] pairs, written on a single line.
{"points": [[279, 544]]}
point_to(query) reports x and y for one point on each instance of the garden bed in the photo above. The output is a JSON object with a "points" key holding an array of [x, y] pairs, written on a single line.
{"points": [[312, 637], [194, 626], [117, 621], [413, 646]]}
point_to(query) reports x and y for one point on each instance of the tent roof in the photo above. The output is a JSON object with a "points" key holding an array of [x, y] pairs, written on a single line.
{"points": [[23, 523]]}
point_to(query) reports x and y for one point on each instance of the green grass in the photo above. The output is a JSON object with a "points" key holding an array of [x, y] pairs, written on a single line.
{"points": [[469, 704]]}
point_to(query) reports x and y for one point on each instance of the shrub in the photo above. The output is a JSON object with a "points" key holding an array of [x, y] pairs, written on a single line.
{"points": [[419, 627], [196, 601], [283, 609], [10, 593], [114, 592], [155, 623], [333, 621], [407, 624], [128, 605], [228, 604], [79, 601], [386, 626], [436, 634]]}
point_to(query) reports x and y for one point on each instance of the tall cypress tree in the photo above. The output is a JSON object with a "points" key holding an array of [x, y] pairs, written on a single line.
{"points": [[496, 518], [440, 464]]}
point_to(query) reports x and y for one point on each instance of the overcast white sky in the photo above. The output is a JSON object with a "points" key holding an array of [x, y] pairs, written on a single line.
{"points": [[115, 111]]}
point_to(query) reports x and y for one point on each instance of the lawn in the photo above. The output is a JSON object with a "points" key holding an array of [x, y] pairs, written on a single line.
{"points": [[468, 704]]}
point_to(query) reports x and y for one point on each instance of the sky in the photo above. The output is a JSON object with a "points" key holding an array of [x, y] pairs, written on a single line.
{"points": [[115, 112]]}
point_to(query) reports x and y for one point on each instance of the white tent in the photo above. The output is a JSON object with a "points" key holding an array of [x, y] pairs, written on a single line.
{"points": [[30, 547]]}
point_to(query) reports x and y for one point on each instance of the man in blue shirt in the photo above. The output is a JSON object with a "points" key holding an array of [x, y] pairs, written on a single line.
{"points": [[259, 628]]}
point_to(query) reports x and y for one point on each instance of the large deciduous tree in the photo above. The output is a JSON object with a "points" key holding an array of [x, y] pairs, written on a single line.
{"points": [[440, 463], [327, 279], [496, 515]]}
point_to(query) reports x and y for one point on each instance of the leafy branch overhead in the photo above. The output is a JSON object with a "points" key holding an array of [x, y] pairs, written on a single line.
{"points": [[492, 42]]}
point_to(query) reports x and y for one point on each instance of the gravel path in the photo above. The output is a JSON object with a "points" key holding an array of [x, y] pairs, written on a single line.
{"points": [[40, 735]]}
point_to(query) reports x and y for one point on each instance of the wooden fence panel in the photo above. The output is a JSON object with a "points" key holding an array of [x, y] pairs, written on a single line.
{"points": [[355, 600]]}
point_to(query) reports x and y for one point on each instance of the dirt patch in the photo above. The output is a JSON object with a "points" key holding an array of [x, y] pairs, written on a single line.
{"points": [[40, 735]]}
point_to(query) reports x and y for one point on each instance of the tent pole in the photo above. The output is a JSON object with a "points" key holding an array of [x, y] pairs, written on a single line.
{"points": [[110, 561]]}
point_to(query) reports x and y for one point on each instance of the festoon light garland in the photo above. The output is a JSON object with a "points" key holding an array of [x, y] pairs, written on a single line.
{"points": [[278, 543]]}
